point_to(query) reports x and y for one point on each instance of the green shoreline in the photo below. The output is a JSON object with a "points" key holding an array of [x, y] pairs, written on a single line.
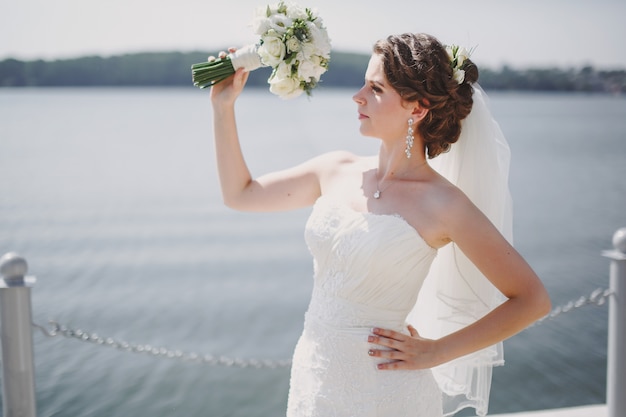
{"points": [[346, 70]]}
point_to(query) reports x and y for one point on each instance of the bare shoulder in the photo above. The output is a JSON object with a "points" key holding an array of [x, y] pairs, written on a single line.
{"points": [[439, 196], [461, 220], [448, 200], [443, 209]]}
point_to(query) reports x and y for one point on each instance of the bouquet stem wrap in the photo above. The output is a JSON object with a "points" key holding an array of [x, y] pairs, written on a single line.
{"points": [[210, 73]]}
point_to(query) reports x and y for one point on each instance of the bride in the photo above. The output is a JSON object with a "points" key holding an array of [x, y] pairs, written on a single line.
{"points": [[419, 233]]}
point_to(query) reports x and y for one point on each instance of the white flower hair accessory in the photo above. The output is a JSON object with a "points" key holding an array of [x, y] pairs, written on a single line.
{"points": [[458, 56]]}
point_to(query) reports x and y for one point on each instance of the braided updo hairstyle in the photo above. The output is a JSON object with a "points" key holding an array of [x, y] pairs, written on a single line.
{"points": [[418, 67]]}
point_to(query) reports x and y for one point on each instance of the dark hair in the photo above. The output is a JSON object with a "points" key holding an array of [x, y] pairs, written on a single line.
{"points": [[418, 67]]}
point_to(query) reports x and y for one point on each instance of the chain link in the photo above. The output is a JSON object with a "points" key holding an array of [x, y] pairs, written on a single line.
{"points": [[57, 329], [597, 297]]}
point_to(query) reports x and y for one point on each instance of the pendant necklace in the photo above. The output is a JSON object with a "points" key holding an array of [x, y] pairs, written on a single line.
{"points": [[379, 192]]}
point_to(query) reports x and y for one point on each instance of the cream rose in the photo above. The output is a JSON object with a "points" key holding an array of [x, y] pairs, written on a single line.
{"points": [[272, 51], [293, 44], [459, 75], [310, 68], [286, 88]]}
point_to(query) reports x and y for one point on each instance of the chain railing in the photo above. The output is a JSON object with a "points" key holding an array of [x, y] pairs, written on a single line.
{"points": [[598, 297], [56, 329]]}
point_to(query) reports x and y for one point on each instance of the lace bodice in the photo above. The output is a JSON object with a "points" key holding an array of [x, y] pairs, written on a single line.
{"points": [[375, 263], [368, 270]]}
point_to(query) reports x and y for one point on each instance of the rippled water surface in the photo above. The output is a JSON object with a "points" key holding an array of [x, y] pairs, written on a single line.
{"points": [[112, 197]]}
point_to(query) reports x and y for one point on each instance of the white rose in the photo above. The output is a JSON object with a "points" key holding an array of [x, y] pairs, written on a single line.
{"points": [[272, 51], [306, 70], [459, 75], [293, 44], [310, 68], [281, 71], [280, 23], [285, 88], [283, 84]]}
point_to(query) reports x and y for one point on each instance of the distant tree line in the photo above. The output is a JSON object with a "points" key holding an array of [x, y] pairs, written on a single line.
{"points": [[347, 70]]}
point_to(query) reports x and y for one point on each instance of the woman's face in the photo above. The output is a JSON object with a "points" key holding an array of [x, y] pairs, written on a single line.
{"points": [[381, 109]]}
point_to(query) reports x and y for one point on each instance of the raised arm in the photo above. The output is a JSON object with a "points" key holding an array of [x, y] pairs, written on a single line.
{"points": [[282, 190]]}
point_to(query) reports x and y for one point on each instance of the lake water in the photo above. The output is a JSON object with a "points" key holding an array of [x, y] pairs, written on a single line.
{"points": [[112, 196]]}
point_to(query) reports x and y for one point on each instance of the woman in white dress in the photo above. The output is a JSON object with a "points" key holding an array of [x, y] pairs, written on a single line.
{"points": [[380, 224]]}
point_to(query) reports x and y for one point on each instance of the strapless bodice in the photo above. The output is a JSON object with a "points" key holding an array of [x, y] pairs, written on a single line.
{"points": [[368, 268]]}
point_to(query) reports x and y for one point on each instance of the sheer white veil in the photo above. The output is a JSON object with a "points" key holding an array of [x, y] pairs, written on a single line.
{"points": [[455, 293]]}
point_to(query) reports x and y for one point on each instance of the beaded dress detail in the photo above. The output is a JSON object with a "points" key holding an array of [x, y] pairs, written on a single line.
{"points": [[368, 271]]}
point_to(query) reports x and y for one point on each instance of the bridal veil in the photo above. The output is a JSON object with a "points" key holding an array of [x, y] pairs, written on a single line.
{"points": [[455, 293]]}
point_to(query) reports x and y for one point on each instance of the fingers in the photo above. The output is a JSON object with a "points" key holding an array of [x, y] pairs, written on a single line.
{"points": [[386, 337], [399, 350], [396, 359], [222, 54], [402, 351], [227, 90], [413, 331], [394, 342], [241, 76], [395, 355], [393, 366]]}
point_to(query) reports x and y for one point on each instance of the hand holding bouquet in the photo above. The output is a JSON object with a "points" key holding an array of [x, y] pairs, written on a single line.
{"points": [[293, 42]]}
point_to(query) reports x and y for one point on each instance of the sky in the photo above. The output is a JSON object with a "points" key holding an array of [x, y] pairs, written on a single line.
{"points": [[530, 33]]}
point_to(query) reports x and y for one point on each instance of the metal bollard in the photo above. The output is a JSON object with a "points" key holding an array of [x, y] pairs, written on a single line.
{"points": [[18, 375], [616, 351]]}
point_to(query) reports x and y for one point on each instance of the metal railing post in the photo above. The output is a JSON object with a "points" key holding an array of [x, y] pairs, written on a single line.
{"points": [[18, 374], [616, 350]]}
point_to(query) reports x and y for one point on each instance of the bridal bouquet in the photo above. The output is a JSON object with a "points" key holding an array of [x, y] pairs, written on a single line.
{"points": [[293, 41]]}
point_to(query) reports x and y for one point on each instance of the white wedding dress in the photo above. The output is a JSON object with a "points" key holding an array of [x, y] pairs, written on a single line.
{"points": [[369, 269]]}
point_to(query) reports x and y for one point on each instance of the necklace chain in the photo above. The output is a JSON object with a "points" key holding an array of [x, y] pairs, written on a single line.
{"points": [[378, 193]]}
